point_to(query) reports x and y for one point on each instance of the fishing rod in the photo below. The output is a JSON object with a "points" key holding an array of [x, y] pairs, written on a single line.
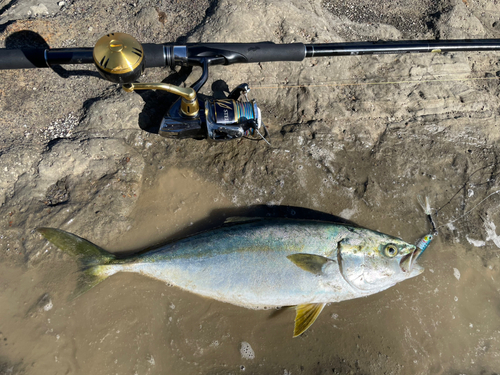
{"points": [[120, 58]]}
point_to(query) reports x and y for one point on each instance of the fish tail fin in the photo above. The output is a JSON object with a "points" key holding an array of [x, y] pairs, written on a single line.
{"points": [[96, 264]]}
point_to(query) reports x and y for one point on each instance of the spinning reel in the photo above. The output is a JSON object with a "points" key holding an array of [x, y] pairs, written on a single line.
{"points": [[120, 58]]}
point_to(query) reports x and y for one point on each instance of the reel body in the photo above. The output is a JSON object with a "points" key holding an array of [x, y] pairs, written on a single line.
{"points": [[218, 120], [119, 58]]}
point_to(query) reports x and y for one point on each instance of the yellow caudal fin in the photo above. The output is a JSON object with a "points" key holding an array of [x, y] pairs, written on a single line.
{"points": [[306, 316], [93, 260]]}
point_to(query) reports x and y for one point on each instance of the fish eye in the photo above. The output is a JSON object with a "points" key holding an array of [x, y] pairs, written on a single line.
{"points": [[391, 251]]}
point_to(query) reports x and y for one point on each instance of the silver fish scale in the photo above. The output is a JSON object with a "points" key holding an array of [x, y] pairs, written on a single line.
{"points": [[262, 263], [247, 264]]}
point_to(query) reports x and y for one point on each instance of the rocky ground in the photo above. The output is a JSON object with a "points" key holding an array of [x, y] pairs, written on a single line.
{"points": [[359, 137]]}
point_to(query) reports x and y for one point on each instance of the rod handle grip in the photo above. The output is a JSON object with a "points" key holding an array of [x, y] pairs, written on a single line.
{"points": [[248, 52], [22, 58]]}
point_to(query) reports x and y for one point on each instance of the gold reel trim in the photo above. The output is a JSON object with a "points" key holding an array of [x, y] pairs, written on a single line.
{"points": [[118, 53]]}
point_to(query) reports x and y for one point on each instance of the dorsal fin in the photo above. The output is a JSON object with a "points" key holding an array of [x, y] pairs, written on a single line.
{"points": [[306, 316], [309, 262], [241, 219]]}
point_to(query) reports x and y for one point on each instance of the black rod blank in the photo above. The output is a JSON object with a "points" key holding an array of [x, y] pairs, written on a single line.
{"points": [[417, 46], [248, 52]]}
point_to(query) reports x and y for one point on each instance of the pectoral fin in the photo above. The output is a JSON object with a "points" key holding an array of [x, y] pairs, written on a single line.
{"points": [[309, 262], [306, 316]]}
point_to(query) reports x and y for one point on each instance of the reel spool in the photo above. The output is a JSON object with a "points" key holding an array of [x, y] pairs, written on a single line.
{"points": [[230, 119]]}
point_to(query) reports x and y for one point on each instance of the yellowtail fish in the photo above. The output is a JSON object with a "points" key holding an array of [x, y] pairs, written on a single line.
{"points": [[262, 263]]}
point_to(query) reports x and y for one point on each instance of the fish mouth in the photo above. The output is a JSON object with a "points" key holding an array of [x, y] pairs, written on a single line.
{"points": [[408, 262]]}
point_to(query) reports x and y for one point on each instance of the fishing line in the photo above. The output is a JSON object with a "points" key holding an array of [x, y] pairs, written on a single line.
{"points": [[464, 185], [428, 211], [424, 242], [259, 133], [341, 84], [468, 212]]}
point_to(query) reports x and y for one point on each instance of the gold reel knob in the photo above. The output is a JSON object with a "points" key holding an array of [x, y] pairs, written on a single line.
{"points": [[119, 58]]}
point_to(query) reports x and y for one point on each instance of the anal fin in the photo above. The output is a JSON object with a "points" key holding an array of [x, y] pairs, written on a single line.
{"points": [[306, 315]]}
